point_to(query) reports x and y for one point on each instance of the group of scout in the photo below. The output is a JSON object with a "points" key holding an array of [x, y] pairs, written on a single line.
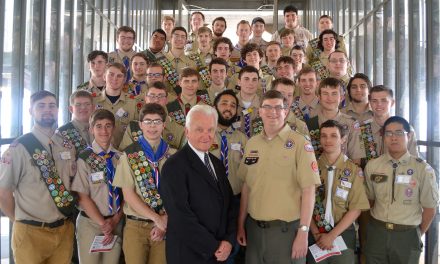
{"points": [[306, 147]]}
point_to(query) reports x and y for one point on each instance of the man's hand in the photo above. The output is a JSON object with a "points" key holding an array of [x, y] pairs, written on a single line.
{"points": [[107, 239], [325, 241], [157, 234], [299, 247], [223, 251], [241, 236], [161, 222]]}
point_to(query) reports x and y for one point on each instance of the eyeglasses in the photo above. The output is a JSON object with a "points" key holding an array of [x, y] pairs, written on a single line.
{"points": [[158, 97], [338, 60], [277, 108], [398, 133], [154, 122], [157, 74]]}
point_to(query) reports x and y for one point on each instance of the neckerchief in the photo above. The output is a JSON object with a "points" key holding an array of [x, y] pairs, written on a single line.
{"points": [[154, 158], [110, 175]]}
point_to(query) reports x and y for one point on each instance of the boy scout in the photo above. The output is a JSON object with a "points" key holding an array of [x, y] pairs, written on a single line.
{"points": [[403, 192], [175, 60], [357, 89], [123, 106], [138, 82], [126, 36], [280, 172], [272, 54], [179, 108], [222, 48], [285, 87], [33, 195], [340, 198], [173, 133], [197, 20], [305, 106], [203, 55], [243, 32], [146, 218], [217, 70], [99, 201], [97, 61], [330, 94]]}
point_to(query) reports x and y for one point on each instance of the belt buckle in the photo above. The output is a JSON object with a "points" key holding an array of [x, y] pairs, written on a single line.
{"points": [[389, 226]]}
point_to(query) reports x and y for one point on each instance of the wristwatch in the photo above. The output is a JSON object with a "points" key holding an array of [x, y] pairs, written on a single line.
{"points": [[304, 228]]}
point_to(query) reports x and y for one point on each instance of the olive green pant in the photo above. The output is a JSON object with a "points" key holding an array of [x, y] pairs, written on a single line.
{"points": [[388, 246], [271, 244]]}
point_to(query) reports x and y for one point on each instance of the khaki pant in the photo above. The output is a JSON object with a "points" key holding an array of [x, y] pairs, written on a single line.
{"points": [[33, 244], [138, 246], [392, 247], [86, 230], [272, 244]]}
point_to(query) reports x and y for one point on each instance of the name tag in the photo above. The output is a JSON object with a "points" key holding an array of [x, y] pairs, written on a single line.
{"points": [[236, 124], [65, 155], [403, 179], [97, 177], [346, 184], [341, 193], [378, 178], [121, 112], [236, 146]]}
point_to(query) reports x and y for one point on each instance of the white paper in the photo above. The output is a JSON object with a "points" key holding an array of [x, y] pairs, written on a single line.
{"points": [[97, 245], [319, 254]]}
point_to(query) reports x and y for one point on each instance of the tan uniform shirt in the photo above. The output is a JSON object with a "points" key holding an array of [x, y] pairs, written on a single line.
{"points": [[349, 110], [90, 87], [348, 191], [125, 178], [299, 107], [264, 83], [118, 56], [176, 108], [94, 185], [275, 171], [125, 109], [236, 53], [302, 36], [312, 48], [297, 124], [236, 144], [260, 42], [179, 63], [242, 111], [415, 188], [192, 44], [131, 87], [19, 174], [353, 146]]}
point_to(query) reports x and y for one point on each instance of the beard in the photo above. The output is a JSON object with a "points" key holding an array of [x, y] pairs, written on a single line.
{"points": [[226, 121], [218, 34], [46, 122]]}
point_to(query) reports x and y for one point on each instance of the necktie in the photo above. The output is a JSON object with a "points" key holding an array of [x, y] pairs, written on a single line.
{"points": [[208, 166], [224, 152], [328, 202], [110, 174], [395, 165], [247, 124], [187, 108], [126, 62]]}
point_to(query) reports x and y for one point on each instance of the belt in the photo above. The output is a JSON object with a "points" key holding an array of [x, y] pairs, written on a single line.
{"points": [[269, 224], [135, 218], [85, 215], [55, 224], [392, 226]]}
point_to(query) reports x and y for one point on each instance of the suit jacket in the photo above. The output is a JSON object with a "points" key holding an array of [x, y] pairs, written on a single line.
{"points": [[200, 210]]}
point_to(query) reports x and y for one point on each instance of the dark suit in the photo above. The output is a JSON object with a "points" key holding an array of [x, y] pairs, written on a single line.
{"points": [[200, 212]]}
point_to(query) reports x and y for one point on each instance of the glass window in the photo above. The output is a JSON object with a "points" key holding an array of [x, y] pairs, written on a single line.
{"points": [[389, 47], [402, 47], [77, 63], [378, 46]]}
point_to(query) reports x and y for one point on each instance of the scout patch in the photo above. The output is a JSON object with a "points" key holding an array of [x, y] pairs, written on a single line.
{"points": [[170, 136], [361, 173], [250, 160], [289, 144], [378, 178], [347, 172], [214, 146], [314, 166], [308, 147], [409, 192], [410, 171]]}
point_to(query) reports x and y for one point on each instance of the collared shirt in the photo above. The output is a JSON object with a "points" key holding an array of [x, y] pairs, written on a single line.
{"points": [[275, 171], [90, 87], [302, 35], [19, 174], [297, 124], [201, 156], [95, 186], [118, 56], [242, 110], [178, 64], [236, 53], [415, 188], [349, 110], [236, 144], [348, 191], [260, 42], [299, 106], [264, 83]]}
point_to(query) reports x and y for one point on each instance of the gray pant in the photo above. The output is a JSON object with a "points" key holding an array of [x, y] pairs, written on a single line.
{"points": [[271, 242], [389, 247]]}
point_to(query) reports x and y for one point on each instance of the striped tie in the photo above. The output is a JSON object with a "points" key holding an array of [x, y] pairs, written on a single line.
{"points": [[224, 152], [126, 62], [208, 166], [112, 191], [247, 124]]}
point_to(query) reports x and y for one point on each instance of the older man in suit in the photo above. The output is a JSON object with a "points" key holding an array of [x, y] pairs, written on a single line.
{"points": [[197, 196]]}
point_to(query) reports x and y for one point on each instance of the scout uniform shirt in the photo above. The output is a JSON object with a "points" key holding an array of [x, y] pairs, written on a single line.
{"points": [[414, 187], [231, 71], [352, 147], [135, 87], [371, 135], [173, 67], [202, 63], [245, 115], [262, 44], [302, 35], [264, 83], [295, 124], [236, 53], [349, 110], [90, 87], [92, 180], [173, 134], [20, 174], [275, 171], [192, 44], [304, 111], [69, 140], [179, 108], [125, 109], [208, 95], [153, 57], [128, 176], [123, 58], [230, 143], [348, 191]]}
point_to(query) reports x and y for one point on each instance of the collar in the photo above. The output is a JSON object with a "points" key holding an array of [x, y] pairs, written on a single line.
{"points": [[350, 108], [228, 130], [169, 55], [80, 126], [199, 153], [254, 104], [339, 163], [97, 149], [283, 134], [102, 97], [44, 138], [313, 104], [402, 160]]}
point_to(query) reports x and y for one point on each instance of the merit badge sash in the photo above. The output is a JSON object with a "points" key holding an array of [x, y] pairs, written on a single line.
{"points": [[257, 126], [170, 72], [63, 199], [319, 210], [203, 94], [176, 112], [313, 125], [72, 137], [135, 130], [368, 140]]}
